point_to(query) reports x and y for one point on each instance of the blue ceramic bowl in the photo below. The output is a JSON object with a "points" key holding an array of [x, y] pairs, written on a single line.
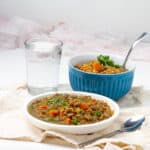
{"points": [[111, 85]]}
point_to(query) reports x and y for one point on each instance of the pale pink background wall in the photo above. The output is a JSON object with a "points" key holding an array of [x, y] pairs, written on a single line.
{"points": [[126, 17]]}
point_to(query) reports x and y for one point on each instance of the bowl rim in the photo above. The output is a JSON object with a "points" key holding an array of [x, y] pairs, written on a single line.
{"points": [[109, 101], [99, 74]]}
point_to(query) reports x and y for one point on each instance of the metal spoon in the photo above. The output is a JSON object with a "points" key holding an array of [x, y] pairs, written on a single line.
{"points": [[130, 125], [139, 39]]}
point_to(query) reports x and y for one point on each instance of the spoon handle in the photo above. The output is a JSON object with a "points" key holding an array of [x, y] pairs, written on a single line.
{"points": [[99, 137], [139, 39]]}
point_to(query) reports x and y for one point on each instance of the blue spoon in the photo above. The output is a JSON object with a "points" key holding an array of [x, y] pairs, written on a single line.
{"points": [[130, 125]]}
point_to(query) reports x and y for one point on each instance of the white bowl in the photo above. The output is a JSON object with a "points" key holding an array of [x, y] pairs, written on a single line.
{"points": [[74, 129]]}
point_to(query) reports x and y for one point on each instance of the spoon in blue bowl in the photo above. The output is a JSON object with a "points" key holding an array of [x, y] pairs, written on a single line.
{"points": [[138, 40], [131, 124]]}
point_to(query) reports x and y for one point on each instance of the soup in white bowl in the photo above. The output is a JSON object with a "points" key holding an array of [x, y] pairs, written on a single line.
{"points": [[101, 116]]}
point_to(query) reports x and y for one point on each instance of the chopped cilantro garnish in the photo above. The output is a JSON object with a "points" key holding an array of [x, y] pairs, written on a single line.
{"points": [[106, 61], [97, 113], [64, 103], [75, 121], [54, 101]]}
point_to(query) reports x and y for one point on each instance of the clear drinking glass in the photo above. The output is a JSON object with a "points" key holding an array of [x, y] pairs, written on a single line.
{"points": [[43, 60]]}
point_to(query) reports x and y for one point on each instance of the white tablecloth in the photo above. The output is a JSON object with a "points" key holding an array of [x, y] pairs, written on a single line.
{"points": [[13, 71]]}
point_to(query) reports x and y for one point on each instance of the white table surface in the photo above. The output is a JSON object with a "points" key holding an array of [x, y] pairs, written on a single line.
{"points": [[13, 71]]}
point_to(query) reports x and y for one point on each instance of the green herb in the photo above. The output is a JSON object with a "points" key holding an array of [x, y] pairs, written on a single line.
{"points": [[64, 103], [97, 113], [75, 121], [107, 61], [117, 66], [54, 101]]}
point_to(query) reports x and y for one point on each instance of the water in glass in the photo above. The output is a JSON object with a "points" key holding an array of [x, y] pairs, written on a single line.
{"points": [[43, 61]]}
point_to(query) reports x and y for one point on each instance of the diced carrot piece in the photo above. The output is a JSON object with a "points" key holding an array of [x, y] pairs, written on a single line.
{"points": [[96, 66], [42, 114], [91, 102], [61, 113], [68, 121], [85, 67], [43, 107], [53, 112], [84, 105]]}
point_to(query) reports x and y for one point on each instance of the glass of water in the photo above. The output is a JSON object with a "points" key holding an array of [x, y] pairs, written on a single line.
{"points": [[43, 57]]}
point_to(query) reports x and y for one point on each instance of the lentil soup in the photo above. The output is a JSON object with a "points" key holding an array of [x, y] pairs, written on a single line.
{"points": [[103, 65], [69, 109]]}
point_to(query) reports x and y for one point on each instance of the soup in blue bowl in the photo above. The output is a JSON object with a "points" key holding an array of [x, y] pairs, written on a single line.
{"points": [[108, 78]]}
